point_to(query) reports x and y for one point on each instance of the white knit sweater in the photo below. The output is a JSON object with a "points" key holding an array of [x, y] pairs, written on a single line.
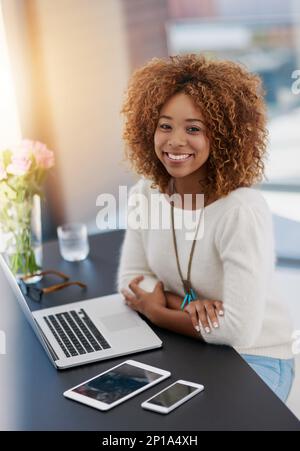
{"points": [[233, 262]]}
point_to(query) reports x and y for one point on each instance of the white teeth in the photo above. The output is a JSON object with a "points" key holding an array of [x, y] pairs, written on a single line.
{"points": [[178, 157]]}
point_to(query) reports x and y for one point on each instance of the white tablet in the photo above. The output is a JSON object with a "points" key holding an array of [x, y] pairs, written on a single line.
{"points": [[116, 385]]}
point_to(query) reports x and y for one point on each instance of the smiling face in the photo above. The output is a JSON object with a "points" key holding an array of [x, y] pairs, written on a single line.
{"points": [[180, 139]]}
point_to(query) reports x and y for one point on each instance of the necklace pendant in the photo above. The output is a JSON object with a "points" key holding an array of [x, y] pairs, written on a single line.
{"points": [[193, 295], [187, 286], [190, 294], [185, 300]]}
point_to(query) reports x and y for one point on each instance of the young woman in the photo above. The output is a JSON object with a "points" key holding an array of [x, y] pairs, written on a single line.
{"points": [[197, 126]]}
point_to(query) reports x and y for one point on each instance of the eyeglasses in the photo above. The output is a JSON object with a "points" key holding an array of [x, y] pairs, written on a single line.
{"points": [[36, 293]]}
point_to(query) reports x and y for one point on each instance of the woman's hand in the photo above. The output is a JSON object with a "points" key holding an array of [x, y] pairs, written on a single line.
{"points": [[204, 312], [143, 301]]}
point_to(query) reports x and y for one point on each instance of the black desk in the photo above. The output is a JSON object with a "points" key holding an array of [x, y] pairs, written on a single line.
{"points": [[31, 388]]}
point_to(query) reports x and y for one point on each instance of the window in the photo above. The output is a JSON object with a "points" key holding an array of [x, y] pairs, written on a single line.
{"points": [[270, 47]]}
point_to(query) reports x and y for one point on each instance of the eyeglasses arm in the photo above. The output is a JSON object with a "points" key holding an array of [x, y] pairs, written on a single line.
{"points": [[44, 273], [60, 286]]}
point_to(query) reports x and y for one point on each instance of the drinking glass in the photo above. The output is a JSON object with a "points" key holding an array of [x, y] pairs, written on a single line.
{"points": [[73, 241]]}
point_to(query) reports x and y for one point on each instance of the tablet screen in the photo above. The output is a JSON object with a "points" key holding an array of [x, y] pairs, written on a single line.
{"points": [[117, 383]]}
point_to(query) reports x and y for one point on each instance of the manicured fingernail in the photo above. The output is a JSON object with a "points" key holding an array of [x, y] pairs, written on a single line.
{"points": [[197, 328], [221, 313], [207, 330], [216, 325]]}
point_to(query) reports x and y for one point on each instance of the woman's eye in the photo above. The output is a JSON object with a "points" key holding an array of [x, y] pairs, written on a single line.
{"points": [[194, 129], [189, 129]]}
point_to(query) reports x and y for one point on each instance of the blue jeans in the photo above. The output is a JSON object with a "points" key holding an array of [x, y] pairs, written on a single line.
{"points": [[276, 373]]}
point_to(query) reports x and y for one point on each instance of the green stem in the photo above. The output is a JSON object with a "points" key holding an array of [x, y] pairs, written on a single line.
{"points": [[17, 221]]}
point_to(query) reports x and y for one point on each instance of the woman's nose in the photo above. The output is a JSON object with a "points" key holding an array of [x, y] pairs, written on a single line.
{"points": [[176, 140]]}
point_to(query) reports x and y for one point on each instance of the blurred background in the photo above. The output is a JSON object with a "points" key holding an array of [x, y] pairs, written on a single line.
{"points": [[65, 65], [64, 68]]}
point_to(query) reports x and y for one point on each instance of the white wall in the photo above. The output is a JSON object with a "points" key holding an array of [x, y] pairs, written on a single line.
{"points": [[9, 124], [80, 70]]}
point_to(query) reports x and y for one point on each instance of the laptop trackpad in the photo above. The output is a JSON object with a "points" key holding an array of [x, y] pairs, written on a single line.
{"points": [[115, 323]]}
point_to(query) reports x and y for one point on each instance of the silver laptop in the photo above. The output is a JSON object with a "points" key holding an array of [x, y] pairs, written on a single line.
{"points": [[86, 331]]}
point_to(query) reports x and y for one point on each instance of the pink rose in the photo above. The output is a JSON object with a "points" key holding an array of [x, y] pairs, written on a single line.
{"points": [[20, 161], [3, 174], [43, 156]]}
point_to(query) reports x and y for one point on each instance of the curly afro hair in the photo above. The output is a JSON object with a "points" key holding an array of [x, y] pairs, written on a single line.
{"points": [[231, 101]]}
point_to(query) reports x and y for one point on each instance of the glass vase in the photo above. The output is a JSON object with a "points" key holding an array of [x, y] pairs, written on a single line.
{"points": [[23, 225]]}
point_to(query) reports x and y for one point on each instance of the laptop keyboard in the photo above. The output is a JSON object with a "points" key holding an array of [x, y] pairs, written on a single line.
{"points": [[75, 333]]}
